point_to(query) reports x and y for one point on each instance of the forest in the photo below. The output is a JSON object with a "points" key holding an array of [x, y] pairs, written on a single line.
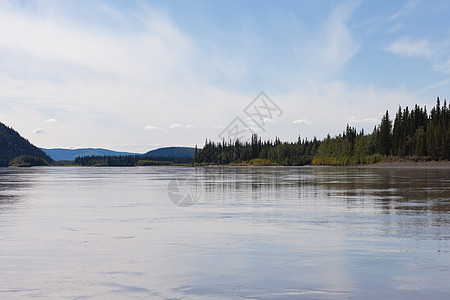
{"points": [[413, 134], [267, 152], [131, 160]]}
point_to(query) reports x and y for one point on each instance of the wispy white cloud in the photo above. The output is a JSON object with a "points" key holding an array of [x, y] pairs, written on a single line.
{"points": [[188, 126], [51, 120], [432, 86], [39, 131], [175, 125], [71, 49], [411, 48], [340, 46], [358, 120], [443, 66], [150, 127], [302, 121], [406, 10]]}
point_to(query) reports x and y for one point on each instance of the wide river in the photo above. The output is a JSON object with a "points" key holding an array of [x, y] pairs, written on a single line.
{"points": [[224, 233]]}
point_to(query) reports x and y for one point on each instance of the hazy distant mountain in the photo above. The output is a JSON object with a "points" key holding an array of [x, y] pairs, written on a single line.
{"points": [[71, 154], [172, 152], [18, 150]]}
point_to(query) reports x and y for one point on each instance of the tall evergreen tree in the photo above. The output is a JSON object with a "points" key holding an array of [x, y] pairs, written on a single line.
{"points": [[385, 135]]}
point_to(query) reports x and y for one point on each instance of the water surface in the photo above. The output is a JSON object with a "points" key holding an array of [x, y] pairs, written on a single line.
{"points": [[252, 233]]}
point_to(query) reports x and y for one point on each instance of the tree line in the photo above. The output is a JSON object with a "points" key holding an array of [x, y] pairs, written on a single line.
{"points": [[130, 160], [413, 134], [286, 153]]}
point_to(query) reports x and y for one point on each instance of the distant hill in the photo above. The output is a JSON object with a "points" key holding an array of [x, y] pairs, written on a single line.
{"points": [[70, 154], [17, 150], [172, 152]]}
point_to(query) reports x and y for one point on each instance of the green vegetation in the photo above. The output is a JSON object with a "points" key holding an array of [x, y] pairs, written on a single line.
{"points": [[131, 160], [27, 161], [17, 151], [347, 149], [414, 135], [273, 152], [147, 162], [63, 163], [255, 162]]}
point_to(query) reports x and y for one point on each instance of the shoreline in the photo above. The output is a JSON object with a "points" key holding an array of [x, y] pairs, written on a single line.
{"points": [[393, 164], [404, 164], [409, 165], [379, 165]]}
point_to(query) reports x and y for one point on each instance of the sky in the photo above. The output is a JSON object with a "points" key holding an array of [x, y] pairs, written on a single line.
{"points": [[139, 75]]}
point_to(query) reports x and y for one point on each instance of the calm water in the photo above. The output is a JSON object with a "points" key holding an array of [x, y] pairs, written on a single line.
{"points": [[253, 233]]}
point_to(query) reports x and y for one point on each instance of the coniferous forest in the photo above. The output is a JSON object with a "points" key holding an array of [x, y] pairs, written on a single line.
{"points": [[414, 134]]}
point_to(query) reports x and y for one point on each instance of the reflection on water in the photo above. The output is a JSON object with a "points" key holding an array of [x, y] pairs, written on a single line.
{"points": [[253, 233], [12, 184], [392, 190]]}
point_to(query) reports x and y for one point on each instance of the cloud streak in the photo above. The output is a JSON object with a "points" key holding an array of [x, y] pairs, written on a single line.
{"points": [[39, 131], [175, 126], [157, 43], [411, 48], [358, 120], [150, 127], [340, 46], [406, 10], [302, 121]]}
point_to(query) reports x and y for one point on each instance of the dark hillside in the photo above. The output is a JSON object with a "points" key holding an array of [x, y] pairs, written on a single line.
{"points": [[12, 145]]}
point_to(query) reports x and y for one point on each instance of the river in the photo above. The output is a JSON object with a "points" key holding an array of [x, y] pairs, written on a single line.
{"points": [[224, 233]]}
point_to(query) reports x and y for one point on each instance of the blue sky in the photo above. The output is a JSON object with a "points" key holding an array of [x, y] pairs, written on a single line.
{"points": [[135, 76]]}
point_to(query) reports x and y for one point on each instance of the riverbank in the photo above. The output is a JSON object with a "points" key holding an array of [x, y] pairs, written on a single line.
{"points": [[409, 165]]}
